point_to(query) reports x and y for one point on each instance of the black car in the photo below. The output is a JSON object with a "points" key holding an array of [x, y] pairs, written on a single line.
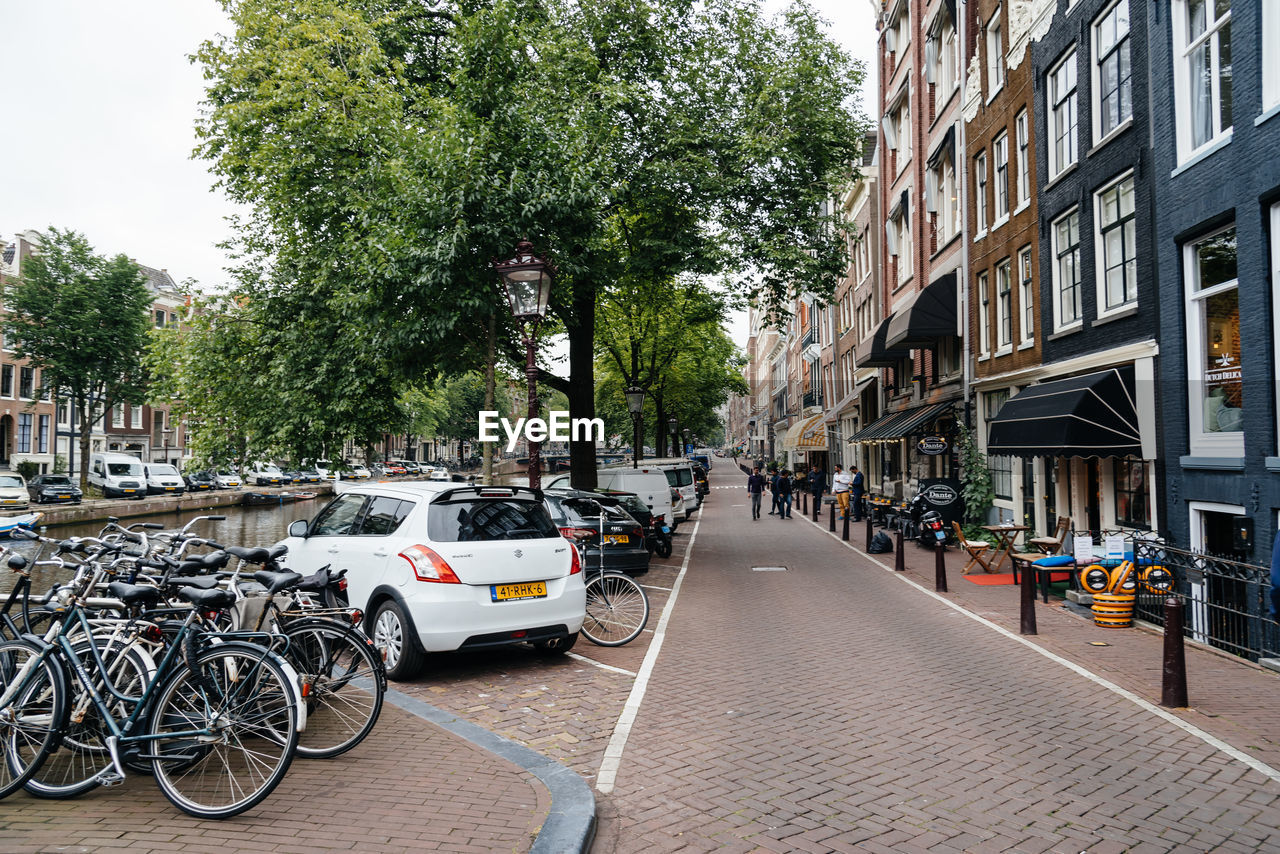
{"points": [[53, 489], [604, 533], [199, 481]]}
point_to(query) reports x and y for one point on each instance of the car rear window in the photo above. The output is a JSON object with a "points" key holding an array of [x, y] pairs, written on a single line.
{"points": [[679, 477], [488, 519]]}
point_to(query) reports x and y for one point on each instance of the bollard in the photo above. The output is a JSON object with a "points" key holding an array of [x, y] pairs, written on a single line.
{"points": [[844, 534], [804, 503], [869, 532], [1028, 626], [831, 525], [817, 506], [899, 554], [1173, 691], [940, 570]]}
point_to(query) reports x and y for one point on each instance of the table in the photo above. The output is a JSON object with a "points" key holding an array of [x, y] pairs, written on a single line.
{"points": [[1042, 574], [1004, 537]]}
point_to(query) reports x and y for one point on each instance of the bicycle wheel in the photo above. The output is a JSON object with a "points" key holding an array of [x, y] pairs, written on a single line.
{"points": [[617, 609], [32, 715], [73, 768], [227, 731], [343, 679]]}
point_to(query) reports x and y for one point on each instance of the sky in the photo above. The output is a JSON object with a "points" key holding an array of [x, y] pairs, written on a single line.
{"points": [[96, 128]]}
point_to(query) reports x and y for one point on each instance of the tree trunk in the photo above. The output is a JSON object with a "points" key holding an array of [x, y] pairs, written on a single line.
{"points": [[491, 346], [85, 429], [582, 383]]}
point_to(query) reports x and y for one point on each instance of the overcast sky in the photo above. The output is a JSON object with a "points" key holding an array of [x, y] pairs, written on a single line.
{"points": [[100, 102]]}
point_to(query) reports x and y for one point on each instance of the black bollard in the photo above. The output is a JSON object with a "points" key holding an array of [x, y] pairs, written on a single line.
{"points": [[844, 534], [869, 533], [831, 526], [1173, 691], [1028, 600], [940, 570], [817, 507], [804, 503], [899, 554]]}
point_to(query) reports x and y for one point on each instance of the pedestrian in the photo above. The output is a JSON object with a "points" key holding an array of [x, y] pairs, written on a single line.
{"points": [[840, 481], [817, 482], [773, 490], [755, 487], [1275, 579], [857, 489], [784, 495]]}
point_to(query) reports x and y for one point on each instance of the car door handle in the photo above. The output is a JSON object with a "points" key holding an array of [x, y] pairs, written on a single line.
{"points": [[381, 553], [333, 550]]}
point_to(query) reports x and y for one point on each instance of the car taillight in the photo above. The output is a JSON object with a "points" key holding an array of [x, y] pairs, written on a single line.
{"points": [[576, 566], [637, 532], [576, 534], [429, 566], [660, 519]]}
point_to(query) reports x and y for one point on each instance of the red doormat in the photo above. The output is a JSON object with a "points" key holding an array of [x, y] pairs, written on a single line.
{"points": [[1007, 578]]}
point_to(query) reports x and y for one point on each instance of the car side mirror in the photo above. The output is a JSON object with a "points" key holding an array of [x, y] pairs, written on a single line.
{"points": [[299, 528]]}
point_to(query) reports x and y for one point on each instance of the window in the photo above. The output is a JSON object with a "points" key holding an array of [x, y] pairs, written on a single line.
{"points": [[383, 516], [484, 520], [43, 442], [24, 433], [1026, 298], [980, 193], [1113, 78], [338, 517], [64, 412], [903, 116], [6, 381], [1000, 153], [135, 417], [1132, 508], [1270, 56], [1215, 364], [117, 415], [941, 196], [160, 315], [1066, 270], [898, 237], [1024, 161], [984, 315], [942, 60], [1117, 241], [26, 383], [995, 57], [1202, 79], [1001, 468], [1004, 306], [1062, 115]]}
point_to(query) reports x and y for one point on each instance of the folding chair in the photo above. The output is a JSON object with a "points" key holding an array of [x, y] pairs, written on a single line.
{"points": [[1052, 545], [975, 548]]}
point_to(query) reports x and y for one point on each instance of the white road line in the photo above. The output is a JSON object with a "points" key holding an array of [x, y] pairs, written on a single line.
{"points": [[655, 587], [612, 761], [602, 666], [1191, 729]]}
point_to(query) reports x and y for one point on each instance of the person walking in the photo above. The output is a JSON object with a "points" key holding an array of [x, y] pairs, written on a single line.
{"points": [[817, 485], [857, 489], [773, 490], [840, 481], [755, 488], [784, 495]]}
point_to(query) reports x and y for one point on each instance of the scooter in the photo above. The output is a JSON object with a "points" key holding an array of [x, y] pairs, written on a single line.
{"points": [[925, 526], [658, 540]]}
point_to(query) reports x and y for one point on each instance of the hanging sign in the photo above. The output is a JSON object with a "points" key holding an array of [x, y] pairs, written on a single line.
{"points": [[932, 445], [1082, 549]]}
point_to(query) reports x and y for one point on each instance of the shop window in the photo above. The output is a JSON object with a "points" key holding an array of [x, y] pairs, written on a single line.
{"points": [[1215, 362], [1132, 507]]}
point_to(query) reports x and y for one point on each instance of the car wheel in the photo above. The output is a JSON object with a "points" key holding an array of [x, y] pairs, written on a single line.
{"points": [[556, 646], [393, 636]]}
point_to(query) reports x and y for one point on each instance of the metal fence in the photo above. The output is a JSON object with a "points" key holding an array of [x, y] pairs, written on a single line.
{"points": [[1227, 602]]}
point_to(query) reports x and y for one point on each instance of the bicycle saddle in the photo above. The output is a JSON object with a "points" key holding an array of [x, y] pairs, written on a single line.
{"points": [[134, 594], [258, 555], [276, 581], [207, 598]]}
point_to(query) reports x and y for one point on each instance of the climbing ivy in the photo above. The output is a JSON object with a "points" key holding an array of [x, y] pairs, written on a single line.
{"points": [[975, 478]]}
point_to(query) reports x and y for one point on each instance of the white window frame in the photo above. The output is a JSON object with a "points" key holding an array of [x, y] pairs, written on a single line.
{"points": [[1026, 299], [1000, 161], [1004, 307], [1270, 57], [1182, 50], [117, 415], [1203, 443], [993, 44], [980, 194], [1072, 153], [984, 315], [64, 407], [1023, 130], [1100, 253], [135, 417], [1124, 43], [903, 225], [1059, 324]]}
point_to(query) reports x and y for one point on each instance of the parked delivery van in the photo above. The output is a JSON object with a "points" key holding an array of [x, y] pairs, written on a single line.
{"points": [[118, 475], [648, 483]]}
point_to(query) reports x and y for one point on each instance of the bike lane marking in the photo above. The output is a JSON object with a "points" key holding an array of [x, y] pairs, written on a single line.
{"points": [[600, 664], [1189, 728], [612, 761]]}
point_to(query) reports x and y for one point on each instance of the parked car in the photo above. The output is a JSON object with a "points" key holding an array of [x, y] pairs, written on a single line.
{"points": [[266, 474], [53, 489], [227, 480], [648, 483], [358, 471], [13, 491], [679, 474], [608, 536], [306, 474], [118, 475], [200, 481], [438, 567], [393, 468], [163, 479], [438, 473]]}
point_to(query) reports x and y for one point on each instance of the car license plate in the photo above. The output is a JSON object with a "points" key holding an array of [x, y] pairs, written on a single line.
{"points": [[620, 539], [64, 496], [128, 490], [508, 592]]}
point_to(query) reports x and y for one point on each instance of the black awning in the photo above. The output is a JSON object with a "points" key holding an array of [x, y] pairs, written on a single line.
{"points": [[947, 145], [895, 425], [1087, 416], [929, 316], [874, 354]]}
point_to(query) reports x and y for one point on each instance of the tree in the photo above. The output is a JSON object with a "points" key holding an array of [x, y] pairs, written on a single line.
{"points": [[80, 319], [389, 149]]}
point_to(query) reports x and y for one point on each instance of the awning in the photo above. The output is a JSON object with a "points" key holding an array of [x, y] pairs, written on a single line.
{"points": [[930, 315], [1087, 416], [808, 434], [874, 354], [895, 425]]}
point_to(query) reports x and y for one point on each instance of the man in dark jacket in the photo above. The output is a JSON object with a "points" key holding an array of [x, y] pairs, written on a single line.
{"points": [[856, 491], [755, 487], [773, 490], [783, 495], [817, 482]]}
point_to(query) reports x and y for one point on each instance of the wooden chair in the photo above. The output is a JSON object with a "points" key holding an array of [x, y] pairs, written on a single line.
{"points": [[1052, 545], [975, 548]]}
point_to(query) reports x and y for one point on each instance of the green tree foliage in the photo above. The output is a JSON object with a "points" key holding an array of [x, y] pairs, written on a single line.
{"points": [[390, 149], [82, 320], [979, 495]]}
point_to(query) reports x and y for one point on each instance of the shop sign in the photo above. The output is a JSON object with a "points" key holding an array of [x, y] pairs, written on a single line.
{"points": [[932, 445], [940, 494]]}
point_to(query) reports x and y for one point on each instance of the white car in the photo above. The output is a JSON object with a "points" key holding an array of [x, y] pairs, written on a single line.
{"points": [[13, 491], [438, 567], [227, 480], [438, 474], [163, 479], [359, 472]]}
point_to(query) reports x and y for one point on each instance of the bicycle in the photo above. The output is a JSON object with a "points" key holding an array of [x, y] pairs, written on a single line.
{"points": [[617, 608]]}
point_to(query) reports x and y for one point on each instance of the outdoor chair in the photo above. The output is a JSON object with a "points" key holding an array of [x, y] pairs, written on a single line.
{"points": [[1052, 545], [975, 548]]}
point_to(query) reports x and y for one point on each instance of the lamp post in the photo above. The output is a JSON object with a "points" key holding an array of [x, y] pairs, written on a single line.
{"points": [[672, 424], [166, 433], [635, 404], [685, 432], [527, 280]]}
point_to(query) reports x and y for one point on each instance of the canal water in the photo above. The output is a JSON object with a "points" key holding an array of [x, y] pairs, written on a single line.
{"points": [[244, 526]]}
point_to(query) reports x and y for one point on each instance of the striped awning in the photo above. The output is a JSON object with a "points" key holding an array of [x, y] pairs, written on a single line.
{"points": [[807, 434], [1094, 415], [895, 425]]}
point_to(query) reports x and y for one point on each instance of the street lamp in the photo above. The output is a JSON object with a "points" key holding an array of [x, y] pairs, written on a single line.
{"points": [[635, 403], [671, 430], [527, 281], [166, 433], [685, 432]]}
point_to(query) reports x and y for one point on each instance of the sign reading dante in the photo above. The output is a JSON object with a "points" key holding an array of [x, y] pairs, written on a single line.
{"points": [[932, 445]]}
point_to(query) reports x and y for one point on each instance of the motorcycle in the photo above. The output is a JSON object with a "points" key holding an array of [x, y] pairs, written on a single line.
{"points": [[658, 539], [925, 526]]}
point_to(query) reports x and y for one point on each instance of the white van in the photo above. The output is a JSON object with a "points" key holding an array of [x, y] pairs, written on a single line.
{"points": [[647, 482], [163, 479], [679, 474], [118, 475]]}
